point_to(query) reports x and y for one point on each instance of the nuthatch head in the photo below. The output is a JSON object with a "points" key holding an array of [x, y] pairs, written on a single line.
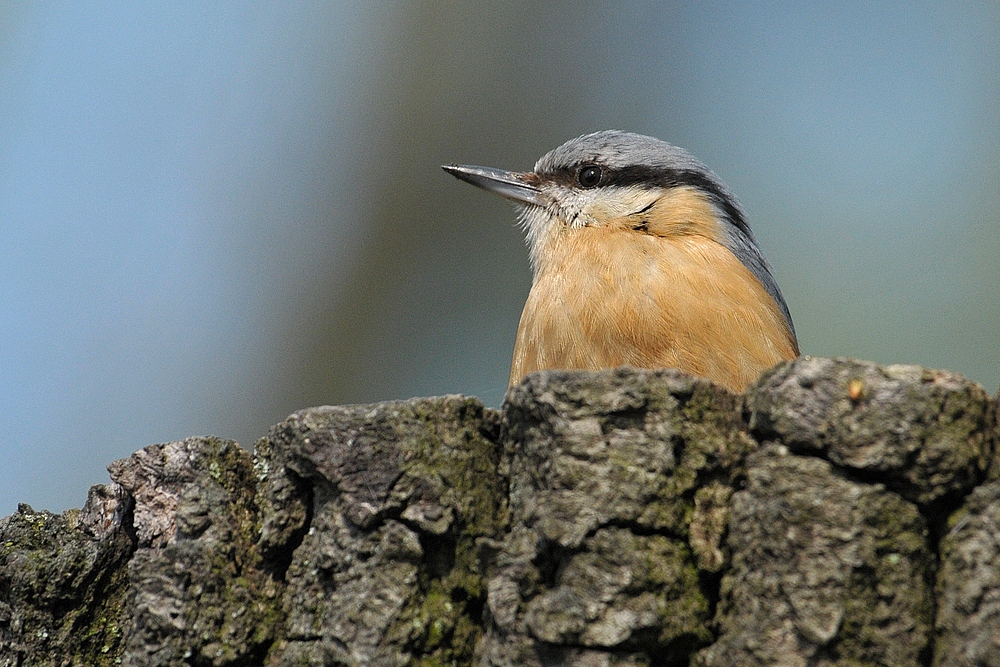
{"points": [[640, 255]]}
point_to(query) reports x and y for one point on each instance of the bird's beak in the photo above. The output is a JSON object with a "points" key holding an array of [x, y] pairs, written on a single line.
{"points": [[510, 184]]}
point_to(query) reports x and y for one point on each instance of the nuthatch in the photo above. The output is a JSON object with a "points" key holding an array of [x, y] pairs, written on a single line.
{"points": [[640, 255]]}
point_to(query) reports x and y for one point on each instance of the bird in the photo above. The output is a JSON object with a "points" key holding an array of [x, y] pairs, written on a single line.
{"points": [[640, 256]]}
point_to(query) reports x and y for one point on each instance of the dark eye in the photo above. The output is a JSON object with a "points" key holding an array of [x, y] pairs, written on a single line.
{"points": [[590, 176]]}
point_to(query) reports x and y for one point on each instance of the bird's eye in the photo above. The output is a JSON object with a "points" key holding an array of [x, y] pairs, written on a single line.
{"points": [[590, 176]]}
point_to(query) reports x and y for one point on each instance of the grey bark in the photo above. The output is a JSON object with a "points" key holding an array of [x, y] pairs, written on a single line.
{"points": [[840, 513]]}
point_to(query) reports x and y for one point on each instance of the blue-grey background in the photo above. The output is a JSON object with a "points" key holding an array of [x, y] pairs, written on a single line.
{"points": [[216, 213]]}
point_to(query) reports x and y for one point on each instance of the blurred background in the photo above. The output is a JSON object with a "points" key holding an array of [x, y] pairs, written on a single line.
{"points": [[214, 214]]}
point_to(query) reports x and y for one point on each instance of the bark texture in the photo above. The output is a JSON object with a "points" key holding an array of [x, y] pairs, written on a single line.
{"points": [[840, 513]]}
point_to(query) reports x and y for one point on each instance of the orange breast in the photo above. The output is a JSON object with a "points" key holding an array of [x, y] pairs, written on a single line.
{"points": [[608, 296]]}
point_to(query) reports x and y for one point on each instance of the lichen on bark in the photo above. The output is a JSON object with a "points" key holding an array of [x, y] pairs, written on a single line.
{"points": [[840, 513]]}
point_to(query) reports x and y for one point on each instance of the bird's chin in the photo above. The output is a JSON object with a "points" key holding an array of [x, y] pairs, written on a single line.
{"points": [[534, 218], [538, 223]]}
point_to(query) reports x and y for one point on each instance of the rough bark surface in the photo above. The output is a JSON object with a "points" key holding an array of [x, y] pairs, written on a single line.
{"points": [[606, 478], [376, 510], [841, 513]]}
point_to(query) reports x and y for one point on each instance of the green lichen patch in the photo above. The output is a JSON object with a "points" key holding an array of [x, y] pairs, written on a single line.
{"points": [[455, 496], [63, 591]]}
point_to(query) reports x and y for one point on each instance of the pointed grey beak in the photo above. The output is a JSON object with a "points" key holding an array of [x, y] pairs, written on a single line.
{"points": [[509, 184]]}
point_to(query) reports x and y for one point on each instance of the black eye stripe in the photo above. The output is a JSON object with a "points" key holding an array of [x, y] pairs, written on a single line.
{"points": [[656, 177]]}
